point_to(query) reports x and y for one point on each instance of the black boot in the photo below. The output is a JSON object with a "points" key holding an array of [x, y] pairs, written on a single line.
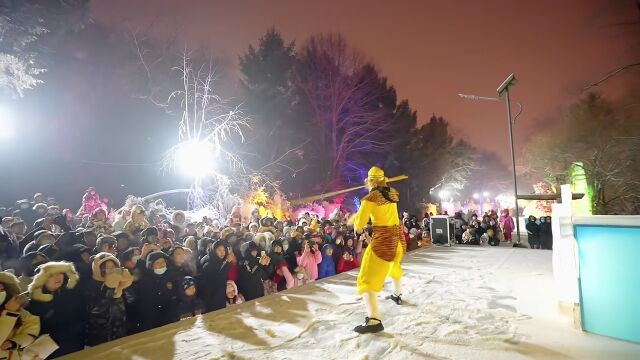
{"points": [[367, 328], [396, 298]]}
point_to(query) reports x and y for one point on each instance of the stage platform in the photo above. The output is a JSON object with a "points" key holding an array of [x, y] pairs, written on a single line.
{"points": [[460, 303]]}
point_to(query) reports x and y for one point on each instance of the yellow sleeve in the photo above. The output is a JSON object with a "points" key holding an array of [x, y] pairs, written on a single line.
{"points": [[362, 216]]}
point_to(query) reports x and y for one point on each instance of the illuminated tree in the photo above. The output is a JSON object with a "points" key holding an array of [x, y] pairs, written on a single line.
{"points": [[352, 108]]}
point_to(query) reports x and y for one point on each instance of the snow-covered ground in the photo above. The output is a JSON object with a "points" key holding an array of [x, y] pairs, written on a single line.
{"points": [[460, 303]]}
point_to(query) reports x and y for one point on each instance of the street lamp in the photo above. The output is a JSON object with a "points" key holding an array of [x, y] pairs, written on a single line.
{"points": [[503, 89]]}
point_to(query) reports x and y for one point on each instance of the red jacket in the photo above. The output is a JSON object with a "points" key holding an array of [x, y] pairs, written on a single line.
{"points": [[344, 265], [233, 273]]}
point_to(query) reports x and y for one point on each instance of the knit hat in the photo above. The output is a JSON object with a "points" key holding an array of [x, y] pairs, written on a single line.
{"points": [[188, 282], [156, 255], [120, 235]]}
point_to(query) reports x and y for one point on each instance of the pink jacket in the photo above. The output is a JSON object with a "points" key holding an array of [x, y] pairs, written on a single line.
{"points": [[310, 262]]}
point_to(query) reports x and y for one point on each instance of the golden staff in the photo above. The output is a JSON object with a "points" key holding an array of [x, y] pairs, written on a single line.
{"points": [[312, 198]]}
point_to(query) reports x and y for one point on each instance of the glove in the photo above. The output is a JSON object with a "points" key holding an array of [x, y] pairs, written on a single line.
{"points": [[112, 280], [125, 281]]}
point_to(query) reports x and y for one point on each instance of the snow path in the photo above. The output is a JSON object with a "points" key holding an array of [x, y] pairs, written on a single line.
{"points": [[460, 303]]}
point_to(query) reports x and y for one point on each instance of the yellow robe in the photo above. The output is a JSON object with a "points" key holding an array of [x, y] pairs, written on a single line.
{"points": [[384, 254]]}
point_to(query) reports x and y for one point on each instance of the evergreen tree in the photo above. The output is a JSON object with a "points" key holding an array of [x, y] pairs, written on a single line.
{"points": [[280, 133]]}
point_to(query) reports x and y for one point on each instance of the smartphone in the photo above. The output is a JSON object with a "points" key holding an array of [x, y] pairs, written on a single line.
{"points": [[263, 253], [23, 299]]}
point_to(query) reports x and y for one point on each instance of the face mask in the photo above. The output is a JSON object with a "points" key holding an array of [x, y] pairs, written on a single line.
{"points": [[285, 246], [3, 296], [135, 258], [300, 276], [160, 271]]}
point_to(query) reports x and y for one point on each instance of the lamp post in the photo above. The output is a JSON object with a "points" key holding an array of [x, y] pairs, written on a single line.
{"points": [[503, 89]]}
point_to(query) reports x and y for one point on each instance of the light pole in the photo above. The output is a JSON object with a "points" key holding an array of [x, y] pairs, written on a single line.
{"points": [[503, 89]]}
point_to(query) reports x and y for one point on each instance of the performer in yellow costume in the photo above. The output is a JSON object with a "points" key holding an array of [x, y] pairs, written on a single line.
{"points": [[384, 254]]}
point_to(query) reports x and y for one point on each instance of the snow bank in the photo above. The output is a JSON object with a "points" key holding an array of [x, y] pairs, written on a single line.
{"points": [[460, 303]]}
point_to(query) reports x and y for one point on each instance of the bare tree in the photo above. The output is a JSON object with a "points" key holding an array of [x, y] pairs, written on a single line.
{"points": [[596, 137], [345, 95]]}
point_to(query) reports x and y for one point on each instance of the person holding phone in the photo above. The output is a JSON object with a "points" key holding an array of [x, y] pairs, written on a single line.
{"points": [[18, 327], [308, 258], [106, 308], [253, 271]]}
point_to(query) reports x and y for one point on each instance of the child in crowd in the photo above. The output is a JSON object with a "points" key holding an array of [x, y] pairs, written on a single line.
{"points": [[233, 296], [190, 303]]}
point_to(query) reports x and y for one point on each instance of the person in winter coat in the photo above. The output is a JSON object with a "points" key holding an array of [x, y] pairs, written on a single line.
{"points": [[99, 222], [279, 275], [178, 223], [106, 243], [27, 268], [105, 307], [190, 303], [8, 248], [546, 235], [137, 223], [18, 327], [157, 301], [309, 258], [122, 216], [179, 264], [347, 262], [338, 247], [327, 267], [507, 225], [42, 237], [25, 212], [81, 257], [124, 241], [533, 232], [214, 276], [131, 260], [59, 305], [233, 296], [253, 271]]}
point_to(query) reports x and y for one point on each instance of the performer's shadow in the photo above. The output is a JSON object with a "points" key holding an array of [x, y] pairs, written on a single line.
{"points": [[282, 311]]}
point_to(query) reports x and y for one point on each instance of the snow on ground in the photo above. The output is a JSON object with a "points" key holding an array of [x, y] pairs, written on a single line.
{"points": [[460, 303]]}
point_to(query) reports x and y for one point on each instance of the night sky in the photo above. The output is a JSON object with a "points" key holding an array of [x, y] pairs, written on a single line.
{"points": [[429, 50]]}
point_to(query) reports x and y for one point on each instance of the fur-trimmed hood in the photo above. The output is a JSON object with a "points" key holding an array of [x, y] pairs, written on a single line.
{"points": [[45, 271], [11, 284], [227, 232], [175, 221], [100, 259]]}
